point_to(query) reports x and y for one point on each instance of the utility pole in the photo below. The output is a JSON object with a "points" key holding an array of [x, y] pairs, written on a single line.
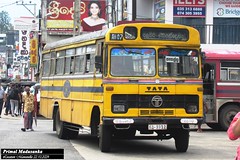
{"points": [[77, 18]]}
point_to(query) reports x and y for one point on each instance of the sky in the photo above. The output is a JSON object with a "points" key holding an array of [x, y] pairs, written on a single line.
{"points": [[16, 10]]}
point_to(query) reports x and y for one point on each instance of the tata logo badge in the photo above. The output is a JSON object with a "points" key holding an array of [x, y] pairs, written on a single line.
{"points": [[162, 89], [66, 88], [157, 101]]}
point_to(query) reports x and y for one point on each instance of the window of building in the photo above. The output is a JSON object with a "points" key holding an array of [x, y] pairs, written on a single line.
{"points": [[198, 23], [225, 30]]}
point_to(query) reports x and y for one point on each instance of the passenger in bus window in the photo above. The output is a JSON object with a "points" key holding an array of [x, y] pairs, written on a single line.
{"points": [[94, 22], [234, 132]]}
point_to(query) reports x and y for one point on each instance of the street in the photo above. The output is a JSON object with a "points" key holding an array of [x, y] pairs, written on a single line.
{"points": [[42, 138], [206, 145]]}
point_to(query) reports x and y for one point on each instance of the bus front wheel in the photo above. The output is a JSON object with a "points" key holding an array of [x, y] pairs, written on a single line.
{"points": [[105, 138], [181, 140]]}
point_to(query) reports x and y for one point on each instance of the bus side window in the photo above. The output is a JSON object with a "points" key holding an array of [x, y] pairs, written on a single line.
{"points": [[72, 65], [87, 69]]}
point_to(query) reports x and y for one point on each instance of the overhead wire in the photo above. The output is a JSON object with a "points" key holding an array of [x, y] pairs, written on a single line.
{"points": [[6, 5]]}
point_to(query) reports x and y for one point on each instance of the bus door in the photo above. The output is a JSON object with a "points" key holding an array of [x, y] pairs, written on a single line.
{"points": [[209, 88]]}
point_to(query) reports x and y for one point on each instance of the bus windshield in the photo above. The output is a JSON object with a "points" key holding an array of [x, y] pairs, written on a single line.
{"points": [[178, 62], [133, 62]]}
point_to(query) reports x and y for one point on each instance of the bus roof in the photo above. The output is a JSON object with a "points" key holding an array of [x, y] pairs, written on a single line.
{"points": [[76, 39], [222, 54]]}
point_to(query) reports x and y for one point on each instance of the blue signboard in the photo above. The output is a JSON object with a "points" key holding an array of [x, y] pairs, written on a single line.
{"points": [[189, 11]]}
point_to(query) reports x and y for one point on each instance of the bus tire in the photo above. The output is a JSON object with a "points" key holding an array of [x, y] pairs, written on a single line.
{"points": [[72, 134], [181, 140], [61, 130], [227, 114], [105, 138], [124, 133], [214, 126]]}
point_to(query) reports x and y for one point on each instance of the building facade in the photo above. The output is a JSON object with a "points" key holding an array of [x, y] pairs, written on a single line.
{"points": [[218, 21]]}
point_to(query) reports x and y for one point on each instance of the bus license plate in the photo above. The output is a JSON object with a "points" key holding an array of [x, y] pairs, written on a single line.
{"points": [[157, 127]]}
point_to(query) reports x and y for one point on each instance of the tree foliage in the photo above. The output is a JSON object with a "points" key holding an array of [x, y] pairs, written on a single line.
{"points": [[5, 24]]}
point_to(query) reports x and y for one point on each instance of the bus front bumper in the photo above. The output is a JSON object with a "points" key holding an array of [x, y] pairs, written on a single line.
{"points": [[146, 121]]}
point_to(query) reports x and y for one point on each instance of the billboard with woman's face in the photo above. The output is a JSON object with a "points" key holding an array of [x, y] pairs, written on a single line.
{"points": [[60, 21]]}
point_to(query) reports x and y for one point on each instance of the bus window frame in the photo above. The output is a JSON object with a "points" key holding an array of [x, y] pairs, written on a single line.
{"points": [[70, 56], [53, 62], [60, 56], [130, 36], [91, 51], [227, 70], [46, 58], [81, 53], [132, 72]]}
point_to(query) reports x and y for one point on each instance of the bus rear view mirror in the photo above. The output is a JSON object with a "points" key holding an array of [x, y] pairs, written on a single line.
{"points": [[98, 62], [203, 55]]}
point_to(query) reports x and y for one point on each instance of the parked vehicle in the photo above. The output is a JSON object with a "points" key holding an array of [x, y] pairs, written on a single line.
{"points": [[221, 82]]}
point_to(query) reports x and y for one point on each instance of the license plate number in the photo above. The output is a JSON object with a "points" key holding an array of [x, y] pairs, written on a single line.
{"points": [[157, 127]]}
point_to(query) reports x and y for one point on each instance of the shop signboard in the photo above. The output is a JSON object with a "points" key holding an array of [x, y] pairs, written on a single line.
{"points": [[223, 9], [189, 8]]}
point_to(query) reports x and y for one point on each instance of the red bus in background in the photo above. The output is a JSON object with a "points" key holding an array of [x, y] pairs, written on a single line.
{"points": [[221, 82]]}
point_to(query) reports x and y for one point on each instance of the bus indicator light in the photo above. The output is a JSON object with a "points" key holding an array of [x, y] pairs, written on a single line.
{"points": [[109, 88]]}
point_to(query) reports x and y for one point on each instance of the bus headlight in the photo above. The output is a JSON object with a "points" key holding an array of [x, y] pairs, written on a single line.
{"points": [[192, 108], [119, 108]]}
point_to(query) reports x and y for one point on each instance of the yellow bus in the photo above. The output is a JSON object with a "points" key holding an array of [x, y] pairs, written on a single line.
{"points": [[133, 81]]}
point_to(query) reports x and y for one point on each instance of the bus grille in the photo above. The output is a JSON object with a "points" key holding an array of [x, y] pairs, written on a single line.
{"points": [[157, 112], [145, 101]]}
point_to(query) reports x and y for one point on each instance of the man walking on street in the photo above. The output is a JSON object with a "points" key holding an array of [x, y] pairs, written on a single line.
{"points": [[28, 108], [2, 98], [14, 98]]}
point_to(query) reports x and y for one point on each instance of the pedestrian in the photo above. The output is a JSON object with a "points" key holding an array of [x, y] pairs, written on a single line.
{"points": [[14, 96], [28, 108], [20, 99], [7, 103], [234, 132], [2, 98], [205, 110]]}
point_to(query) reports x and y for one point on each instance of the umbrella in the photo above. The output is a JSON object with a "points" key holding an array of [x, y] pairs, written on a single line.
{"points": [[35, 119], [35, 110]]}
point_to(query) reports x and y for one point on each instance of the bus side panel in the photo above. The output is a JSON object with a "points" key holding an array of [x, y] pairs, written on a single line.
{"points": [[65, 104], [77, 112], [44, 99], [65, 110], [87, 101], [77, 96]]}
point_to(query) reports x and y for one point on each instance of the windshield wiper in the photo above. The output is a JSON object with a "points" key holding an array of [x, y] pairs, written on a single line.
{"points": [[129, 51]]}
